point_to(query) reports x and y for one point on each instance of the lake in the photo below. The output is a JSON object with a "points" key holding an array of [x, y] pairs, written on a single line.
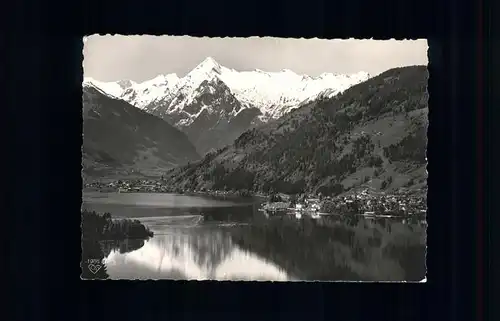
{"points": [[208, 238]]}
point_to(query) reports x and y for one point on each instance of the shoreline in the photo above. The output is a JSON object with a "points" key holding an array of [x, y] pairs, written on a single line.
{"points": [[189, 193], [96, 226], [364, 201], [156, 186], [250, 194], [402, 204]]}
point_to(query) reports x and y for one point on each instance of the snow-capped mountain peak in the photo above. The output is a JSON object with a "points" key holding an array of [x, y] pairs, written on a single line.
{"points": [[187, 89], [112, 89], [207, 67], [214, 104], [144, 93], [274, 93]]}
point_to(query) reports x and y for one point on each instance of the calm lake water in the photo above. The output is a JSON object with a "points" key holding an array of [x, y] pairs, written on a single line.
{"points": [[229, 239]]}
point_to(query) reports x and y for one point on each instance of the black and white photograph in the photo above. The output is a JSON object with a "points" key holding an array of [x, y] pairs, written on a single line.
{"points": [[254, 159]]}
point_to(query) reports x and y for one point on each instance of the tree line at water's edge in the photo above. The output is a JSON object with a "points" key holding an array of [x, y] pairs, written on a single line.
{"points": [[98, 226], [339, 247], [98, 229]]}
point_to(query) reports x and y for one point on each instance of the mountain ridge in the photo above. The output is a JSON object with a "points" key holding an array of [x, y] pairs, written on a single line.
{"points": [[119, 138], [267, 91], [373, 134], [211, 98]]}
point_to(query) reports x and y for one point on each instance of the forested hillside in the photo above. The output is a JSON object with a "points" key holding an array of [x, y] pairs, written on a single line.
{"points": [[374, 134]]}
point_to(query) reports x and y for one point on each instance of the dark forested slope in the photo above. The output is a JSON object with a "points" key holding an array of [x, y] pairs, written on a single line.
{"points": [[373, 134]]}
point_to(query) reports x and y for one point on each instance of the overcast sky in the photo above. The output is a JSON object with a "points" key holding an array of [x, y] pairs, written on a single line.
{"points": [[139, 58]]}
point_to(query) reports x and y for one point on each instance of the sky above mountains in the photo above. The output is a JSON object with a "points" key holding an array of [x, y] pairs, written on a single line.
{"points": [[139, 58]]}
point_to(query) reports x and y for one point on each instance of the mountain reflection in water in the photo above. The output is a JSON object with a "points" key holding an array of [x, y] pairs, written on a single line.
{"points": [[240, 243], [191, 254], [338, 248]]}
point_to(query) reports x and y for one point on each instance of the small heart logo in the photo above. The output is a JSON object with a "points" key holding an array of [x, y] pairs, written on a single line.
{"points": [[94, 268]]}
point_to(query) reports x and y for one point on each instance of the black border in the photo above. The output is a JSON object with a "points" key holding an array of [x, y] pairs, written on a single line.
{"points": [[42, 130]]}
